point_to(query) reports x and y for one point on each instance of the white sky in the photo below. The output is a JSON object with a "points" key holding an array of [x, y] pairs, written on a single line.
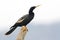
{"points": [[12, 10]]}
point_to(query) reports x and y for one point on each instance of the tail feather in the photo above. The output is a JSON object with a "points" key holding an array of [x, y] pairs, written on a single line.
{"points": [[10, 31]]}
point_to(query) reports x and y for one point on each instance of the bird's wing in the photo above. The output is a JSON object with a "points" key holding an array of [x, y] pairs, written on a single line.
{"points": [[22, 18]]}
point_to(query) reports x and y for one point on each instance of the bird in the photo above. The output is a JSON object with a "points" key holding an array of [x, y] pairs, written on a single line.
{"points": [[23, 21]]}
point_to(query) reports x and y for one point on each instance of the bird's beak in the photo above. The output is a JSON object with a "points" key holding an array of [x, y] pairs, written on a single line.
{"points": [[37, 5]]}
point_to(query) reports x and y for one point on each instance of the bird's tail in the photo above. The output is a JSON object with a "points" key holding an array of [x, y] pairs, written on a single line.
{"points": [[11, 30]]}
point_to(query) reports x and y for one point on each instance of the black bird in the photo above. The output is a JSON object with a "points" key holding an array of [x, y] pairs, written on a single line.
{"points": [[23, 21]]}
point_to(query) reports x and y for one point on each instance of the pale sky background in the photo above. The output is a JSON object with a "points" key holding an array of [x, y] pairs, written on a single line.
{"points": [[46, 20]]}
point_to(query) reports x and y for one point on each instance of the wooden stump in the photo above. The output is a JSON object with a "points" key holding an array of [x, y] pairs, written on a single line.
{"points": [[22, 33]]}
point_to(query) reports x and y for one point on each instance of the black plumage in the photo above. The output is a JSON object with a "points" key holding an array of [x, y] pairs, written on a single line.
{"points": [[23, 21]]}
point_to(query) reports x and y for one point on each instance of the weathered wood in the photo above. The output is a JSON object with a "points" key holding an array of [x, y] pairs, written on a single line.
{"points": [[22, 33]]}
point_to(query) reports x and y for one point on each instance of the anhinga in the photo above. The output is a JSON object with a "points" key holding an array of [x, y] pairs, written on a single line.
{"points": [[23, 21]]}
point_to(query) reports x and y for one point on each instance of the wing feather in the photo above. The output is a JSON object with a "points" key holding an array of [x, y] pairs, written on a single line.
{"points": [[22, 18]]}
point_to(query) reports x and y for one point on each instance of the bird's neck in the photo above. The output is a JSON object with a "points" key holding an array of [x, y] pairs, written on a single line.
{"points": [[31, 12]]}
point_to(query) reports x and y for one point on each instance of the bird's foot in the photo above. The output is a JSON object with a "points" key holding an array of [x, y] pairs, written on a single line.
{"points": [[24, 28]]}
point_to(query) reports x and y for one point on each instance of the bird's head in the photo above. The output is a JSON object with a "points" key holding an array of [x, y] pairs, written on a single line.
{"points": [[32, 8]]}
